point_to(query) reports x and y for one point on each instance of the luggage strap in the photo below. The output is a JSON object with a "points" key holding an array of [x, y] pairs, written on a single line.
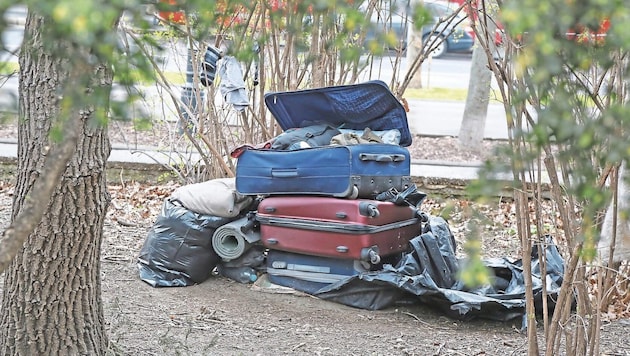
{"points": [[307, 276]]}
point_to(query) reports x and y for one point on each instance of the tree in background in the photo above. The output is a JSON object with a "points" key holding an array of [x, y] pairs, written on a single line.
{"points": [[473, 123]]}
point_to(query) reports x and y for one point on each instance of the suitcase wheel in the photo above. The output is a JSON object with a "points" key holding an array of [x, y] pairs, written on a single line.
{"points": [[355, 193], [368, 209], [371, 254], [374, 258]]}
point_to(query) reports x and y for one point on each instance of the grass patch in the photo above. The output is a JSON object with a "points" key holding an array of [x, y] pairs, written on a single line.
{"points": [[437, 94], [172, 77], [7, 68], [453, 94], [176, 78]]}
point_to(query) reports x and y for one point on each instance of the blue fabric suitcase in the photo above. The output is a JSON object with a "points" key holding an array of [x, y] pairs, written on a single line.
{"points": [[347, 171], [309, 274]]}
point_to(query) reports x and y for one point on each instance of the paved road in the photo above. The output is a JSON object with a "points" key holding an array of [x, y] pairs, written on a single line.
{"points": [[443, 118], [426, 117], [438, 118], [432, 118]]}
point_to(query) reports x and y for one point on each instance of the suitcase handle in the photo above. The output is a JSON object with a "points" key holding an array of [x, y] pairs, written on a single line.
{"points": [[284, 173], [378, 157]]}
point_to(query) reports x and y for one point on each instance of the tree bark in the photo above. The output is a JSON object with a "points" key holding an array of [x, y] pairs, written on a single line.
{"points": [[316, 53], [476, 110], [473, 125], [52, 293], [414, 50]]}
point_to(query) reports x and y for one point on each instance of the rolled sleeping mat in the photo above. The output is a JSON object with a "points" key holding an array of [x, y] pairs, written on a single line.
{"points": [[231, 240]]}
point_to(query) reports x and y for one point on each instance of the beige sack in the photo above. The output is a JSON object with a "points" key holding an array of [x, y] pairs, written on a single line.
{"points": [[216, 197]]}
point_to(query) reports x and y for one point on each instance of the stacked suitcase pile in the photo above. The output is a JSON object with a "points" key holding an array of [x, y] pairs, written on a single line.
{"points": [[319, 217]]}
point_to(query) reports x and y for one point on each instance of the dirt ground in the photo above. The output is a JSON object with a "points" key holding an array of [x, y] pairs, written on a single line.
{"points": [[223, 317]]}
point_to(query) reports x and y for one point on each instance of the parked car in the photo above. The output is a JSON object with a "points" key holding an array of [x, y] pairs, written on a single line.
{"points": [[473, 13], [450, 36]]}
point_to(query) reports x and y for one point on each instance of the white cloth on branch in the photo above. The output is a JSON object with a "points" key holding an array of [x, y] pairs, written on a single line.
{"points": [[622, 240], [232, 84]]}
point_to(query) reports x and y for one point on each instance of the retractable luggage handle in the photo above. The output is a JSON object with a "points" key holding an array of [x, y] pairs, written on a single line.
{"points": [[381, 157]]}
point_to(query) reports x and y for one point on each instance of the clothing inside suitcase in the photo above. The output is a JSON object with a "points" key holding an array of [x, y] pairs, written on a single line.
{"points": [[357, 106]]}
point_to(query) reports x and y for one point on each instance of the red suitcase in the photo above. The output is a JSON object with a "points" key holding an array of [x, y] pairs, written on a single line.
{"points": [[359, 229]]}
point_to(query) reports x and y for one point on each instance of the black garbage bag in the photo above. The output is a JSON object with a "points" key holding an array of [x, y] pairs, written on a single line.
{"points": [[178, 250], [428, 273], [254, 257]]}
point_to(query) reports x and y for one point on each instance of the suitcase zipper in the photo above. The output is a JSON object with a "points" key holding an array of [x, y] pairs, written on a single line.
{"points": [[331, 226]]}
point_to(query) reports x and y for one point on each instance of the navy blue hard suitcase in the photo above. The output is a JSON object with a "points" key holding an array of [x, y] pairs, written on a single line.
{"points": [[311, 273], [361, 170]]}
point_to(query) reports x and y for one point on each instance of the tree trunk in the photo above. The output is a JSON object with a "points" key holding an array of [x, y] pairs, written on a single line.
{"points": [[413, 51], [476, 109], [52, 293], [317, 53]]}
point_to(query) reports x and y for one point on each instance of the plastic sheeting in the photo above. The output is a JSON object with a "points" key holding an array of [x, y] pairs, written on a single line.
{"points": [[178, 250], [428, 274]]}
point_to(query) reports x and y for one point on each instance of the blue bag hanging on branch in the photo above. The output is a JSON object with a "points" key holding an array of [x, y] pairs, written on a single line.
{"points": [[178, 250]]}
